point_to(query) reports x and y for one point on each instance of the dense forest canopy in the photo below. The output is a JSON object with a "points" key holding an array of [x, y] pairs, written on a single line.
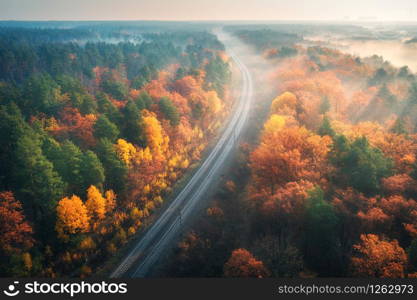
{"points": [[98, 123], [328, 189], [101, 121]]}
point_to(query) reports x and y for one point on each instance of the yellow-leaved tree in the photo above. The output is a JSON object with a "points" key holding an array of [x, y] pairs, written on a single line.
{"points": [[72, 217], [274, 124], [96, 204], [125, 150], [155, 135], [284, 104], [110, 200], [215, 102]]}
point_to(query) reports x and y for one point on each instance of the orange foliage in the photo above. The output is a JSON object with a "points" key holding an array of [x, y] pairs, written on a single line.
{"points": [[134, 93], [398, 205], [378, 258], [156, 89], [242, 264], [288, 201], [359, 101], [399, 148], [186, 86], [350, 201], [298, 77], [98, 73], [15, 232], [224, 56], [403, 210], [169, 151], [398, 184], [290, 159], [374, 219], [118, 103], [288, 155], [78, 126]]}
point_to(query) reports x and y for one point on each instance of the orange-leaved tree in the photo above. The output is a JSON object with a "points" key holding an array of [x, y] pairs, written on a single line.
{"points": [[242, 264], [376, 257], [289, 154], [15, 232]]}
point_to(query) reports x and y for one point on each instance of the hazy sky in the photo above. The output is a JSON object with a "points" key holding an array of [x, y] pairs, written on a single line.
{"points": [[399, 10]]}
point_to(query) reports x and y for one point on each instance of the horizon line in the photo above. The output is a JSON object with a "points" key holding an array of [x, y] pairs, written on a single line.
{"points": [[213, 20]]}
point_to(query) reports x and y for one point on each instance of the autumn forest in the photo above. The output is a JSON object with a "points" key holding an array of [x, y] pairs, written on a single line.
{"points": [[103, 124]]}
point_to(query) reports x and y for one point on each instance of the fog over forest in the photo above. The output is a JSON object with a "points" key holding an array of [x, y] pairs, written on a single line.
{"points": [[255, 140]]}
